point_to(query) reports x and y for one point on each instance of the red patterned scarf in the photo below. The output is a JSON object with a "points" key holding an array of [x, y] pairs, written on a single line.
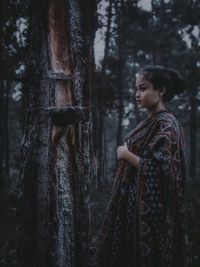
{"points": [[144, 221]]}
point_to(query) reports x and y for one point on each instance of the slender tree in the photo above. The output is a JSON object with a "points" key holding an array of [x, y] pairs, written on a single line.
{"points": [[100, 109], [121, 65], [194, 81], [3, 101]]}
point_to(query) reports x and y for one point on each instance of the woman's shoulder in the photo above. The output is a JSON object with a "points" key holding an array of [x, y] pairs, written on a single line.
{"points": [[168, 117], [169, 121]]}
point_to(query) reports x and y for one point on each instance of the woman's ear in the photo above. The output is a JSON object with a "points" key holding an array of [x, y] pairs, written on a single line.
{"points": [[163, 90]]}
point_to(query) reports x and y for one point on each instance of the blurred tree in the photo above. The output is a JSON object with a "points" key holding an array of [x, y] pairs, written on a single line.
{"points": [[103, 94], [12, 50], [2, 134], [120, 7]]}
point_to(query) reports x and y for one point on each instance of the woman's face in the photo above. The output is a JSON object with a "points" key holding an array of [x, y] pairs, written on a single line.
{"points": [[146, 95]]}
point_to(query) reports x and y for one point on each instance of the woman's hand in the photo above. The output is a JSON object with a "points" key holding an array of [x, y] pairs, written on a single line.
{"points": [[122, 152]]}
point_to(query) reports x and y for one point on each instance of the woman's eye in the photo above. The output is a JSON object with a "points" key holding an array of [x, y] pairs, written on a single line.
{"points": [[143, 88]]}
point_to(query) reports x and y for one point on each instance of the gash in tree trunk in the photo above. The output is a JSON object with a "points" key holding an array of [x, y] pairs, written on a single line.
{"points": [[54, 214]]}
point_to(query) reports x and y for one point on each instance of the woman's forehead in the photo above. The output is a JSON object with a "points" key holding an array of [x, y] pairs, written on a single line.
{"points": [[142, 79]]}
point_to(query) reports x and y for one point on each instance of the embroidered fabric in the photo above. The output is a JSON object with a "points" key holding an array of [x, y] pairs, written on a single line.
{"points": [[144, 225]]}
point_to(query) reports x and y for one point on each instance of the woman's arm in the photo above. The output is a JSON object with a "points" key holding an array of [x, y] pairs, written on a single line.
{"points": [[124, 154]]}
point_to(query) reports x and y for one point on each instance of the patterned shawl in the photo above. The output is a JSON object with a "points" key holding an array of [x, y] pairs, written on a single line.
{"points": [[144, 221]]}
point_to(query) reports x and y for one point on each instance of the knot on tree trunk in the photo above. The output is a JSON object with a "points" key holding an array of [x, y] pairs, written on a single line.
{"points": [[65, 116]]}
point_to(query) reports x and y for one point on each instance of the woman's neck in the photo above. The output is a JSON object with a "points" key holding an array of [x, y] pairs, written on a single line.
{"points": [[156, 108]]}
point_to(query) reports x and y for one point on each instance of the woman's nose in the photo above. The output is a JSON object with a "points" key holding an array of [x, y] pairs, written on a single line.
{"points": [[137, 94]]}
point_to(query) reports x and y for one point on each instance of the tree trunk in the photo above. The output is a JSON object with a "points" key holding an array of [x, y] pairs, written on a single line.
{"points": [[99, 142], [98, 116], [2, 114], [55, 170], [136, 111], [193, 127], [105, 165], [2, 154], [107, 39], [121, 41], [6, 127]]}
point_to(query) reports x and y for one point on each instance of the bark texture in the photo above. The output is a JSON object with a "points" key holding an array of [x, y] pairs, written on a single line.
{"points": [[193, 129], [54, 225], [121, 52]]}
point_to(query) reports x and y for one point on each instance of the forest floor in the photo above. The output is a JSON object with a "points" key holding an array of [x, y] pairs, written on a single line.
{"points": [[99, 199]]}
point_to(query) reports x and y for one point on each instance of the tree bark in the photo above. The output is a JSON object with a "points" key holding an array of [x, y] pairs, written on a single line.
{"points": [[2, 154], [54, 214], [136, 110], [193, 128], [2, 114], [100, 110], [121, 48], [6, 127]]}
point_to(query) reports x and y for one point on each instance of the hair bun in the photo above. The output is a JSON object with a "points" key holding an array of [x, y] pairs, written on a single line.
{"points": [[177, 80]]}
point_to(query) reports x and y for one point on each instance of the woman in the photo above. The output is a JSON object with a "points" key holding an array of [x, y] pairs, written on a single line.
{"points": [[144, 222]]}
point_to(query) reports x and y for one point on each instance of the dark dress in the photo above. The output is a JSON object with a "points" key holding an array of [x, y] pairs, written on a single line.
{"points": [[144, 221]]}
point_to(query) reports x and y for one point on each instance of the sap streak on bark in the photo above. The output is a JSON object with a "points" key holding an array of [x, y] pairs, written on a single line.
{"points": [[55, 169], [59, 37], [61, 213]]}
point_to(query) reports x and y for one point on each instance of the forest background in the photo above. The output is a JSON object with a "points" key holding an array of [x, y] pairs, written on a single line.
{"points": [[129, 35]]}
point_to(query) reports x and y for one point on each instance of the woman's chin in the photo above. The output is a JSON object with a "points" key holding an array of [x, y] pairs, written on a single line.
{"points": [[139, 105]]}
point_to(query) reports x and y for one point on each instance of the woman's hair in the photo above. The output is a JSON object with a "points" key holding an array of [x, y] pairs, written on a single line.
{"points": [[162, 77]]}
